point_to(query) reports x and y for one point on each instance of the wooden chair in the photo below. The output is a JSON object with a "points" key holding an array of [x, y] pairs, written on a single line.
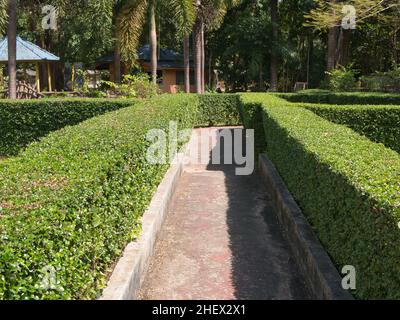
{"points": [[26, 91], [300, 86]]}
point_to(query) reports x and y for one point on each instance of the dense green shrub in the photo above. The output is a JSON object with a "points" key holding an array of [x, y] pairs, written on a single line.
{"points": [[251, 117], [383, 81], [96, 94], [73, 200], [22, 122], [132, 86], [342, 79], [218, 109], [323, 96], [379, 123], [347, 186]]}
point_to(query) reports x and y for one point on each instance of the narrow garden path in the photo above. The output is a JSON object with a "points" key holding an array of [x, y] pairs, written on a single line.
{"points": [[221, 240]]}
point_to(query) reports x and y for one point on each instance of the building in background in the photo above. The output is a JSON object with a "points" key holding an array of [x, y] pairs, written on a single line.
{"points": [[170, 68]]}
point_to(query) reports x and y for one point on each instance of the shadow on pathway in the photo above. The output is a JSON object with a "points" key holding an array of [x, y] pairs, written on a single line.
{"points": [[222, 240]]}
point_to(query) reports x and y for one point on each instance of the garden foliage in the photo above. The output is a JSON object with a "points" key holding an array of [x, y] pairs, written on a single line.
{"points": [[346, 185], [22, 122], [71, 202]]}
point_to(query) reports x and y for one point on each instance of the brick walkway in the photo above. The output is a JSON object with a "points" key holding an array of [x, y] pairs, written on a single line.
{"points": [[221, 240]]}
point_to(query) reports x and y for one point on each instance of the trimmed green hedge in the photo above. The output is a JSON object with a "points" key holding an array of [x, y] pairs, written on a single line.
{"points": [[251, 117], [218, 110], [323, 96], [347, 186], [379, 123], [22, 122], [73, 200]]}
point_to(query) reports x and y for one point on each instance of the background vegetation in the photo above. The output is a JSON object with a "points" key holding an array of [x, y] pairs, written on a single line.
{"points": [[290, 41]]}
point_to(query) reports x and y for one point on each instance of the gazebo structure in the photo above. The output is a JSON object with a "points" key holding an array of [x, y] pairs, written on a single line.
{"points": [[29, 53]]}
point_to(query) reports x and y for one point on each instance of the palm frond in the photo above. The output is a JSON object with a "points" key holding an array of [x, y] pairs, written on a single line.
{"points": [[130, 23], [3, 16], [213, 11], [184, 14]]}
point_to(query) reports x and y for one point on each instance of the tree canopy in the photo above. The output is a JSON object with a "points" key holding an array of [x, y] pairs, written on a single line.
{"points": [[239, 38]]}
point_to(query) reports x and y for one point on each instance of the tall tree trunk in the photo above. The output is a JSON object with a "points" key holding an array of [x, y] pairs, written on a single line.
{"points": [[117, 61], [12, 48], [210, 85], [344, 47], [338, 51], [309, 55], [186, 58], [203, 59], [153, 41], [274, 55], [332, 45], [197, 51], [396, 55]]}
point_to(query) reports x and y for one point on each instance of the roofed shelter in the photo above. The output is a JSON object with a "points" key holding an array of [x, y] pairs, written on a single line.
{"points": [[29, 53]]}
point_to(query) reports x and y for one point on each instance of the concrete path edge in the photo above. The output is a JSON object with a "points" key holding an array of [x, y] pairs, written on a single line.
{"points": [[129, 272], [309, 254]]}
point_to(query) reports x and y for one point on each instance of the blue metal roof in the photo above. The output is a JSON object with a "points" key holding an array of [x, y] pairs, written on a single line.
{"points": [[168, 59], [26, 51], [165, 54]]}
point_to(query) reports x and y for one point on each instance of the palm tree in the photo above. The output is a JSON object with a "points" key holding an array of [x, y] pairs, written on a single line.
{"points": [[153, 40], [332, 43], [209, 16], [117, 46], [186, 62], [3, 14], [198, 47], [12, 49], [132, 17], [8, 20], [274, 56], [185, 20]]}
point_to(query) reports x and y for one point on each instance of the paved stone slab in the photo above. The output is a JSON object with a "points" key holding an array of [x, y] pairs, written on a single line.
{"points": [[222, 240]]}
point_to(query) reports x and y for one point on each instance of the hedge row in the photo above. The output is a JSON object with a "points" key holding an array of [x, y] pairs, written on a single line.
{"points": [[379, 123], [251, 116], [357, 98], [347, 186], [218, 110], [22, 122], [71, 202]]}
